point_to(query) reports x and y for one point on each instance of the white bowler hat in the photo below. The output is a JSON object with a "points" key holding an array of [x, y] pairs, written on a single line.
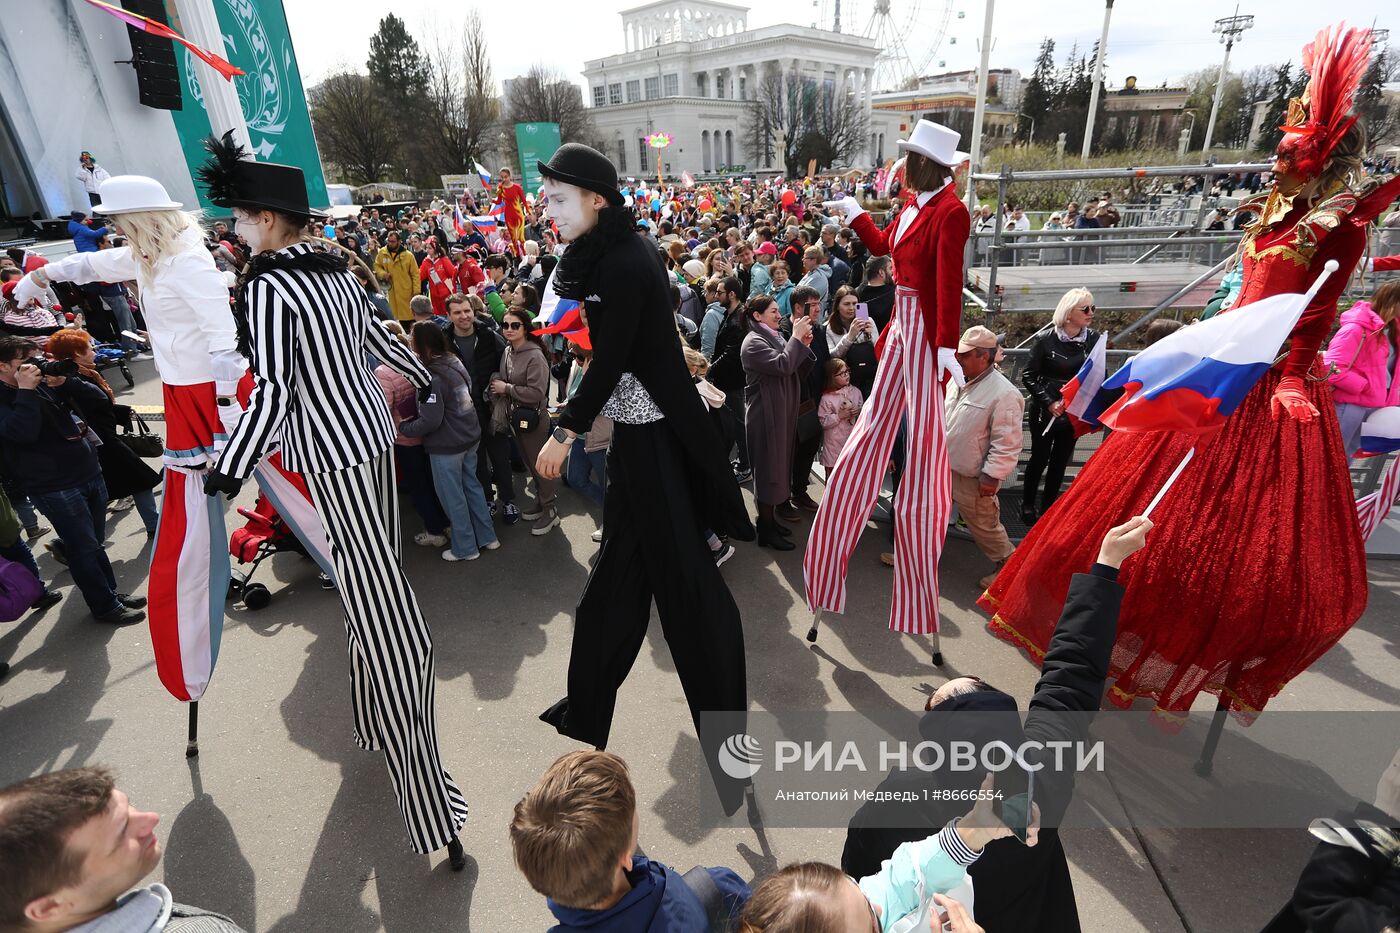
{"points": [[935, 141], [126, 194]]}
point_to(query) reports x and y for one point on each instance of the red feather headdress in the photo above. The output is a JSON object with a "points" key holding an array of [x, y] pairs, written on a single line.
{"points": [[1316, 122]]}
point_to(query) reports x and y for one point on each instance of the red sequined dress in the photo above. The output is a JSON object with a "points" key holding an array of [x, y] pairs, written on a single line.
{"points": [[1256, 565]]}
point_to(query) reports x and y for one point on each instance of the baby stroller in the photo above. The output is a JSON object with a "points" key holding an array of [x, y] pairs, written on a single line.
{"points": [[109, 355], [264, 534]]}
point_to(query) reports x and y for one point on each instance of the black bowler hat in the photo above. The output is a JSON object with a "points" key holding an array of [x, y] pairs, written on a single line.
{"points": [[584, 167], [232, 179]]}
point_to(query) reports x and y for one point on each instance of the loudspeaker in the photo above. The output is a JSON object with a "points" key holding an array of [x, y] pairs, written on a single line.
{"points": [[157, 78]]}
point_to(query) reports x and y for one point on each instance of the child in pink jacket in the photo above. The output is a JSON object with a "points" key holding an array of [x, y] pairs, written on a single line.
{"points": [[1364, 353], [838, 410]]}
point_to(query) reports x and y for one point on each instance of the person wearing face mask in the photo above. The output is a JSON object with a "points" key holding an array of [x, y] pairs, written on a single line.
{"points": [[1261, 566], [308, 328], [668, 478]]}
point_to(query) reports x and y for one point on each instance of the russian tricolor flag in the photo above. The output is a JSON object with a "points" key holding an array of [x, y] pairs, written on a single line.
{"points": [[486, 225], [1082, 404], [484, 175], [458, 222], [1380, 432], [1194, 379], [498, 209]]}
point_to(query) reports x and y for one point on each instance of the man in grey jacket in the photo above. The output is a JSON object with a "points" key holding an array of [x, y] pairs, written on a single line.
{"points": [[73, 848]]}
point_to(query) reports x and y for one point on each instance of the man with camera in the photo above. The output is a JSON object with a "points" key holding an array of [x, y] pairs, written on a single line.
{"points": [[49, 450]]}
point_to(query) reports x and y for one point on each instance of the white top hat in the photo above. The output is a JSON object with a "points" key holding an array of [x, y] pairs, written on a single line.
{"points": [[126, 194], [935, 141]]}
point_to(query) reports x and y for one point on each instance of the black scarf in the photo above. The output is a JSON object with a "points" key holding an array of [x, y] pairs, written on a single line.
{"points": [[581, 258], [314, 261]]}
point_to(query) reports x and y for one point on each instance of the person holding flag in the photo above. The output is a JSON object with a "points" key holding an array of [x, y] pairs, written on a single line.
{"points": [[1259, 566]]}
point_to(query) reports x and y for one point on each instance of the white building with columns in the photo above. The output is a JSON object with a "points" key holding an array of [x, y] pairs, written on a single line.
{"points": [[691, 68]]}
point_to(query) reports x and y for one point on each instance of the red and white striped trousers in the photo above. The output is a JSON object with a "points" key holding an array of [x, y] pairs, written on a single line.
{"points": [[906, 384]]}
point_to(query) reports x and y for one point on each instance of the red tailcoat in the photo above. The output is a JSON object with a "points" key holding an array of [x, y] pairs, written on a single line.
{"points": [[929, 259]]}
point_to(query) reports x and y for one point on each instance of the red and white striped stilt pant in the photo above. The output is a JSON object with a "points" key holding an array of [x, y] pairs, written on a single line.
{"points": [[906, 384]]}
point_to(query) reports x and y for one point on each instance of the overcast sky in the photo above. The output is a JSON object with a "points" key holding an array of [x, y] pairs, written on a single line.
{"points": [[1154, 40]]}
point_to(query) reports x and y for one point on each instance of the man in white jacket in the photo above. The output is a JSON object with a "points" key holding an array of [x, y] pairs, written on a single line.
{"points": [[983, 427]]}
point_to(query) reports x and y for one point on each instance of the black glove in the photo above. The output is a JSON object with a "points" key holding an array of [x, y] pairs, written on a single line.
{"points": [[217, 482], [424, 393]]}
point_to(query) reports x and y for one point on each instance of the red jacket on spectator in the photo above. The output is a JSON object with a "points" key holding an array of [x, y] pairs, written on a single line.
{"points": [[441, 277]]}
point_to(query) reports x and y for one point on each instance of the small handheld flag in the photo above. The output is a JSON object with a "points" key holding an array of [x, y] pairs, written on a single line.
{"points": [[1380, 435], [1194, 379], [458, 223], [1082, 405], [484, 175]]}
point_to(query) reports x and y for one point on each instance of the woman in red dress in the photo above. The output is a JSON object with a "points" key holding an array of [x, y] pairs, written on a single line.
{"points": [[1258, 567]]}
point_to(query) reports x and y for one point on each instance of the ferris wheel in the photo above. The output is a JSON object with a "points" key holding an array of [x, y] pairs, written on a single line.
{"points": [[909, 34]]}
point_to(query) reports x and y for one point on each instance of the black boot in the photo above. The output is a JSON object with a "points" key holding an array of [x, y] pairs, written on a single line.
{"points": [[1028, 514], [456, 855], [770, 536]]}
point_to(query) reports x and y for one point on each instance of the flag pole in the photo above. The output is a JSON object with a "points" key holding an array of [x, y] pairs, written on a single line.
{"points": [[192, 743], [1170, 481]]}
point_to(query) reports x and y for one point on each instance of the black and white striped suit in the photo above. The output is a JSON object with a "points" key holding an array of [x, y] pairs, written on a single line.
{"points": [[316, 395]]}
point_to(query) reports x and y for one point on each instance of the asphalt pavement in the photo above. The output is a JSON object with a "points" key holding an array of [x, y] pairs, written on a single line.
{"points": [[284, 825]]}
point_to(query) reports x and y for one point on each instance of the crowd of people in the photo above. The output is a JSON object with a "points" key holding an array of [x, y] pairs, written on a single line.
{"points": [[780, 310]]}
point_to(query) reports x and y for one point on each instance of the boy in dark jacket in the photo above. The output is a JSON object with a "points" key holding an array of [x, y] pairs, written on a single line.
{"points": [[574, 836]]}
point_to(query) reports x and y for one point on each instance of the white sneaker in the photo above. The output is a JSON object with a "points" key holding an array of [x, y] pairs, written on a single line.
{"points": [[427, 539], [121, 505], [492, 546], [449, 556], [597, 536]]}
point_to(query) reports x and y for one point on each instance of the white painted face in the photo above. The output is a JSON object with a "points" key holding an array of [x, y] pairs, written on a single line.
{"points": [[255, 228], [574, 210]]}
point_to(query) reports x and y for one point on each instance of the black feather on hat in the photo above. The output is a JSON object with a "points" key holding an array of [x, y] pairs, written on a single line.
{"points": [[232, 179]]}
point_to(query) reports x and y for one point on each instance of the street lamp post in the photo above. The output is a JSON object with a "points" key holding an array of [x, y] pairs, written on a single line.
{"points": [[974, 163], [1098, 83], [1229, 29]]}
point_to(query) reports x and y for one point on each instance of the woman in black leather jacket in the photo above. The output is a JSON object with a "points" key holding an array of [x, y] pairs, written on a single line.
{"points": [[1055, 359]]}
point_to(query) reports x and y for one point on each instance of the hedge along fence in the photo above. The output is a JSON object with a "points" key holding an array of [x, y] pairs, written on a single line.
{"points": [[1053, 195]]}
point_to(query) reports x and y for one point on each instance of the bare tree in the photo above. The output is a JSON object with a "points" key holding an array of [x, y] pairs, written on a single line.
{"points": [[460, 111], [797, 120], [353, 125], [544, 95]]}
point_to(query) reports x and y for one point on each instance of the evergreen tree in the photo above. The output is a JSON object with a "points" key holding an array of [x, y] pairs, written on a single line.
{"points": [[1038, 98], [396, 64], [1269, 134], [1376, 112]]}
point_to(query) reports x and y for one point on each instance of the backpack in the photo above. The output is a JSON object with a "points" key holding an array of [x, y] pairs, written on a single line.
{"points": [[692, 305]]}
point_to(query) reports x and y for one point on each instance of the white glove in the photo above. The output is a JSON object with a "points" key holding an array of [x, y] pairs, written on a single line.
{"points": [[29, 290], [848, 206], [948, 365], [228, 367], [229, 416], [1368, 268]]}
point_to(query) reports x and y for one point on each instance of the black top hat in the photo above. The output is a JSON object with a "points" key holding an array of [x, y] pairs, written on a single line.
{"points": [[584, 166], [232, 179]]}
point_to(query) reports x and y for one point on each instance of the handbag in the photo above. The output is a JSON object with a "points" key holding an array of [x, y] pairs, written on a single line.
{"points": [[860, 359], [142, 441], [524, 419], [809, 424], [18, 590]]}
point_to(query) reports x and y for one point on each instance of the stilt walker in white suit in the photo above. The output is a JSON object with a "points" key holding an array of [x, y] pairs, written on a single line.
{"points": [[308, 326]]}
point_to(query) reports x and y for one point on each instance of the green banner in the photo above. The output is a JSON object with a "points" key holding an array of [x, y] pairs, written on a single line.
{"points": [[257, 40], [536, 142]]}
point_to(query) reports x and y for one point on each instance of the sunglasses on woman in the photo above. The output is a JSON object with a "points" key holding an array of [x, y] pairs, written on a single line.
{"points": [[512, 325]]}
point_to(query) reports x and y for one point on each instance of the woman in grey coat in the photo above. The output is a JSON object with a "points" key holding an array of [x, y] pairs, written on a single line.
{"points": [[522, 385], [774, 367]]}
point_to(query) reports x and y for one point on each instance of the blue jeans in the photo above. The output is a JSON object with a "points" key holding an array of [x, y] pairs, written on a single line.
{"points": [[146, 507], [583, 466], [79, 516], [20, 553], [121, 311], [459, 491]]}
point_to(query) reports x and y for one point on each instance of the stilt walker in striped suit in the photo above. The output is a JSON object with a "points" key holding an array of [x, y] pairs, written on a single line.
{"points": [[308, 326], [926, 240]]}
